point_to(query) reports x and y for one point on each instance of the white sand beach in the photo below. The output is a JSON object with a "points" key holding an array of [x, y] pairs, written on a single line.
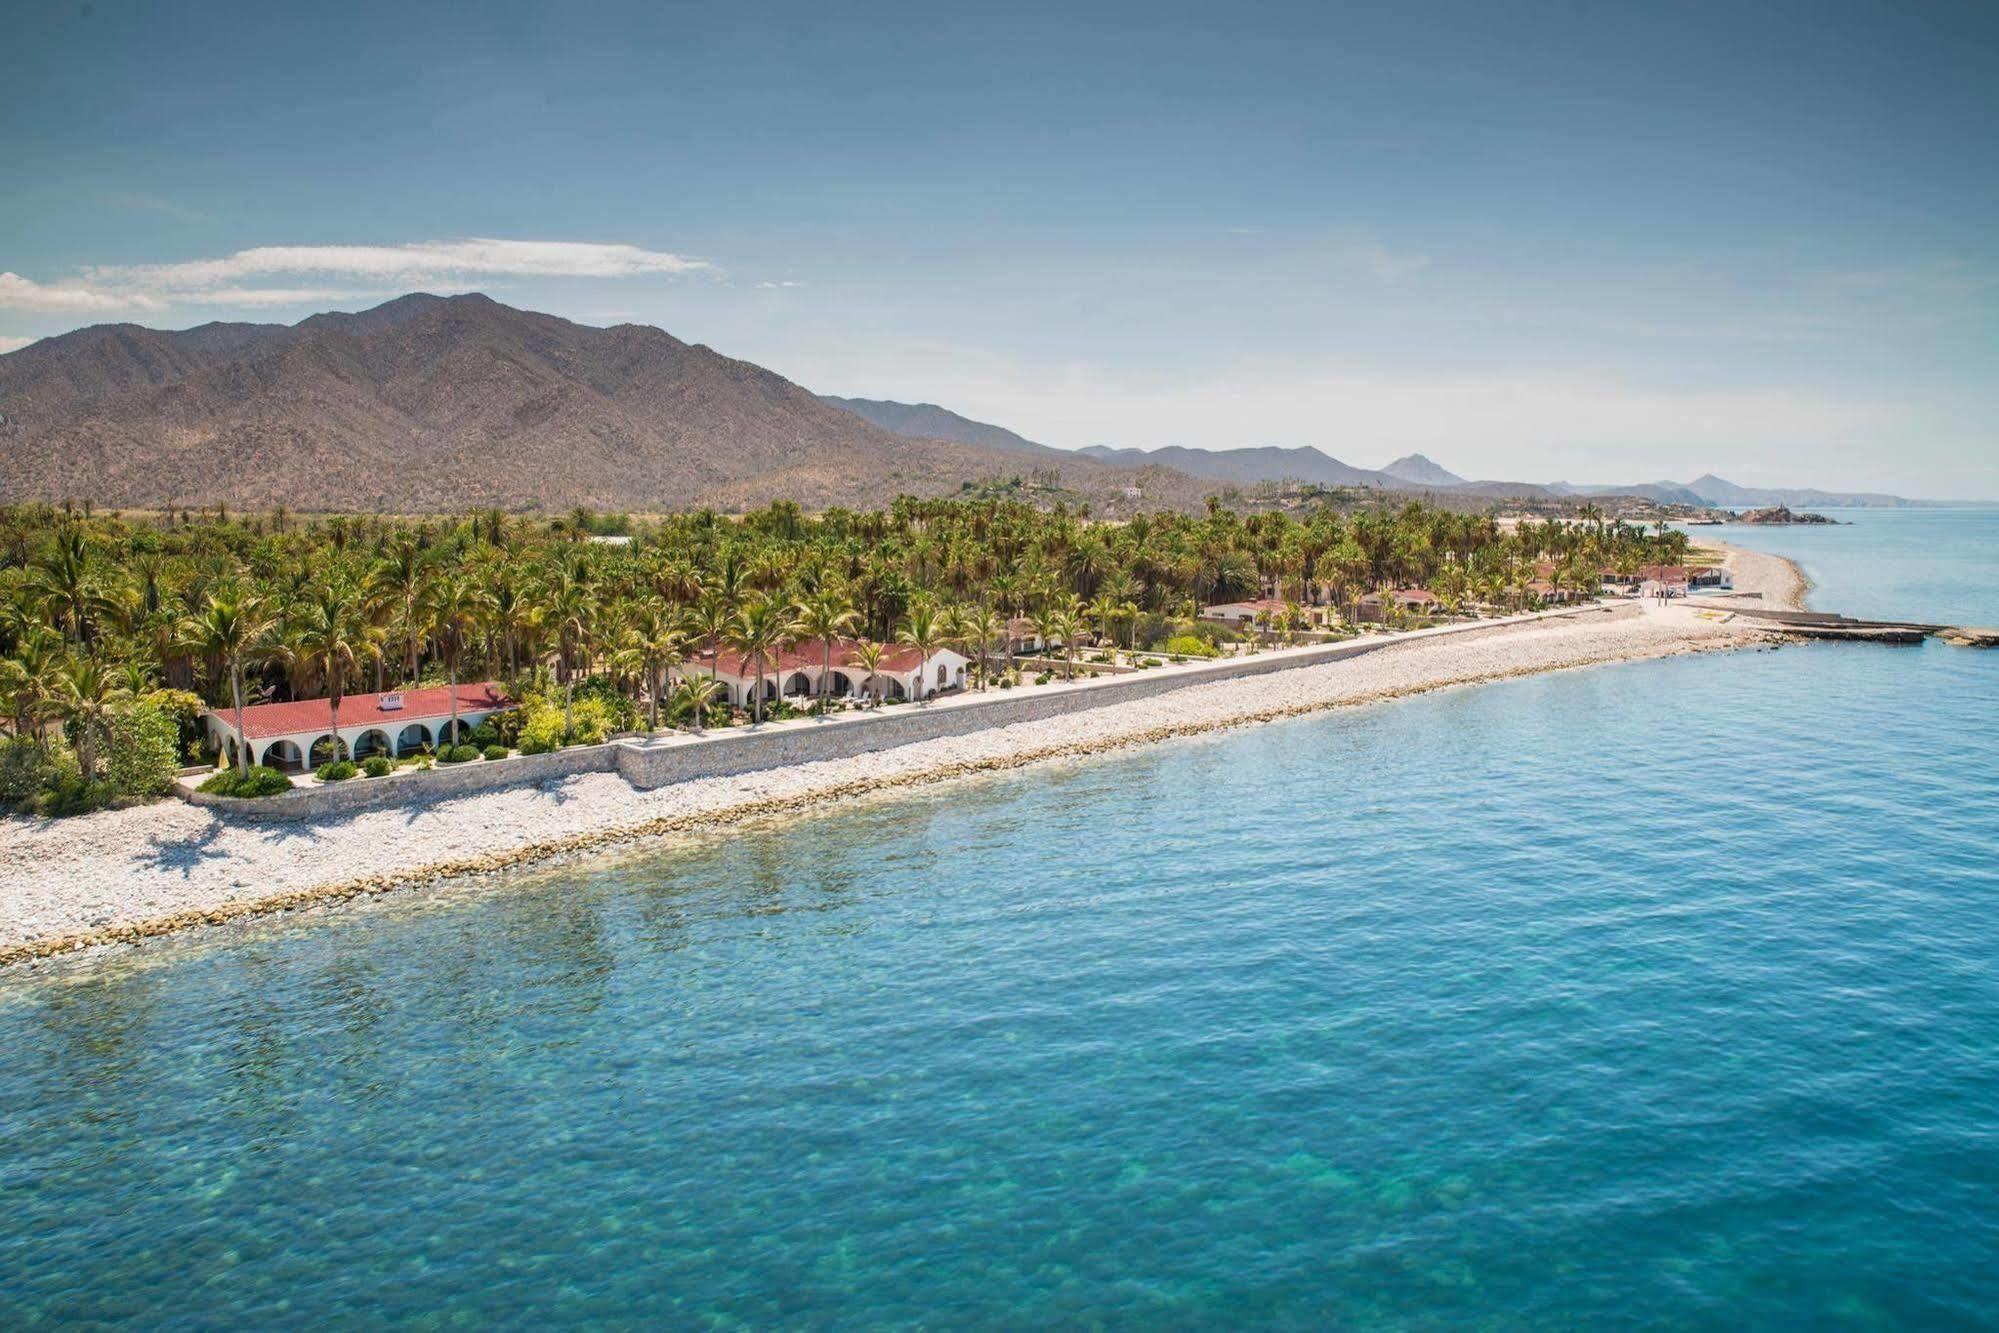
{"points": [[124, 875]]}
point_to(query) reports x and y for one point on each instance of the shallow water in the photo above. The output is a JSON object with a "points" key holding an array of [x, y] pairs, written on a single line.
{"points": [[1930, 565], [1660, 994]]}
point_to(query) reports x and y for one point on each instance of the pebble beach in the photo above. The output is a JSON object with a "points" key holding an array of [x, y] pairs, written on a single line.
{"points": [[122, 876]]}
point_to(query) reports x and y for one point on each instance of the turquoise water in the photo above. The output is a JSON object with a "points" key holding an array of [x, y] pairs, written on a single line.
{"points": [[1931, 565], [1657, 995]]}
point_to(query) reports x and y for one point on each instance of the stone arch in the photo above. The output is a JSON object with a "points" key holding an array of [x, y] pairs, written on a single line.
{"points": [[842, 684], [285, 756], [446, 735], [798, 683], [414, 737], [892, 688], [373, 741], [326, 750]]}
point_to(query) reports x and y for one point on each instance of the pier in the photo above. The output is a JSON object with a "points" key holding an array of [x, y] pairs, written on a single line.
{"points": [[1831, 625]]}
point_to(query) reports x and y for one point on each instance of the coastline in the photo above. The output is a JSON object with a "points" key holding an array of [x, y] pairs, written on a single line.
{"points": [[125, 876]]}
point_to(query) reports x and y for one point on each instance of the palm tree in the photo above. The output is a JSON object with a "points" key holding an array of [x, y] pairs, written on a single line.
{"points": [[32, 679], [826, 616], [763, 629], [452, 605], [1068, 625], [1103, 610], [67, 587], [572, 613], [712, 621], [923, 631], [333, 639], [868, 657], [981, 627], [90, 693], [395, 590], [231, 626], [661, 647], [693, 695]]}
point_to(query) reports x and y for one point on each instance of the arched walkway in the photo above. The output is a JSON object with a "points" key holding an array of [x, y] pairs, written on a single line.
{"points": [[798, 685], [414, 737], [284, 756], [327, 749], [841, 684], [372, 742], [447, 736], [892, 688]]}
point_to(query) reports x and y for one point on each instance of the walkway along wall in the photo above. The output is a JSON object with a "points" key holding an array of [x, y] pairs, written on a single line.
{"points": [[661, 761]]}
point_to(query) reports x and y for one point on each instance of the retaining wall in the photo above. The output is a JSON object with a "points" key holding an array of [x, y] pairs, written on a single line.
{"points": [[407, 787], [660, 761]]}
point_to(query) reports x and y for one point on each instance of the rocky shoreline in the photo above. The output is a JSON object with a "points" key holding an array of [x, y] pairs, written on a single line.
{"points": [[123, 877]]}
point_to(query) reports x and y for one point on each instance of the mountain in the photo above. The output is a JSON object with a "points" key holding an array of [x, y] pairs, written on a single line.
{"points": [[430, 404], [1728, 495], [1420, 471], [1245, 467], [1659, 492], [929, 421], [1710, 491]]}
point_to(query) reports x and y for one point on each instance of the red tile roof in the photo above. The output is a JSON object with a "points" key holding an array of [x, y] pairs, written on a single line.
{"points": [[261, 721], [1254, 604], [896, 657]]}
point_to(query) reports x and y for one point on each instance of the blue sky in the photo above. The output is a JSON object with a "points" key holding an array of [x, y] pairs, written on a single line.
{"points": [[1587, 242]]}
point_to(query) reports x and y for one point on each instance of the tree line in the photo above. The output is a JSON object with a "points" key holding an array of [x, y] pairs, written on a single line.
{"points": [[99, 612]]}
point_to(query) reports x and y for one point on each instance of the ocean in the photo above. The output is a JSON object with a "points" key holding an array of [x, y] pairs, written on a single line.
{"points": [[1656, 995]]}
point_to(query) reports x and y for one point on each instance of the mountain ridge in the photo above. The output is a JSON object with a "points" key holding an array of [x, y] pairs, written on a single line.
{"points": [[429, 403]]}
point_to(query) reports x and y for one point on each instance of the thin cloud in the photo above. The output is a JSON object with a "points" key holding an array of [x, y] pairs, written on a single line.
{"points": [[777, 286], [234, 279], [19, 293], [12, 344], [270, 296], [409, 263]]}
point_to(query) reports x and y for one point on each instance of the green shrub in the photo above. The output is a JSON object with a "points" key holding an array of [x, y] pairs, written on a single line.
{"points": [[338, 771], [495, 752], [458, 754], [28, 769], [485, 734], [377, 766], [259, 781], [1044, 678], [1191, 645], [595, 720], [140, 752], [71, 795], [540, 726]]}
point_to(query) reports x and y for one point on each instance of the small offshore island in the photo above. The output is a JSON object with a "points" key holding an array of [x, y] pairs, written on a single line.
{"points": [[469, 695]]}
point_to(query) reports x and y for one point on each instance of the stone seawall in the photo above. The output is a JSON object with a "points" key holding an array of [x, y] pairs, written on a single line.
{"points": [[666, 760], [653, 762], [408, 787]]}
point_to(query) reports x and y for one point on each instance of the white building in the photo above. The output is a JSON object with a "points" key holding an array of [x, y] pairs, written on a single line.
{"points": [[299, 735], [794, 672]]}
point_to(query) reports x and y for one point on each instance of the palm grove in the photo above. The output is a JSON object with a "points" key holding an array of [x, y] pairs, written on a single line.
{"points": [[116, 631]]}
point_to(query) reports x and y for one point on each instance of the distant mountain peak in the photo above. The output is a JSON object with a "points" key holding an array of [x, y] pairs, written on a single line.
{"points": [[1420, 471]]}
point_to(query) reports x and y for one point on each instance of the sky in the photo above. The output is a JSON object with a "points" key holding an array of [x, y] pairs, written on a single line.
{"points": [[1565, 241]]}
